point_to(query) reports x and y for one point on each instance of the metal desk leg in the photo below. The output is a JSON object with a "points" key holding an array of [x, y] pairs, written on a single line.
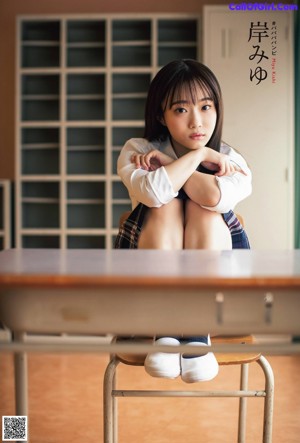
{"points": [[21, 379], [269, 400], [110, 403], [243, 403]]}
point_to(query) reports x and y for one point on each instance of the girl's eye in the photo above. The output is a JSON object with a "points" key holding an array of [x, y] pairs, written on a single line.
{"points": [[180, 110], [206, 107]]}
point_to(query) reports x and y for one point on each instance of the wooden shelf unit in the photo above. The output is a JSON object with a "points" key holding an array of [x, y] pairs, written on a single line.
{"points": [[82, 82]]}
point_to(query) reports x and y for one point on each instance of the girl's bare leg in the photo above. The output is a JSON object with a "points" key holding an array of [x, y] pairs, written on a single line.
{"points": [[163, 227], [205, 229]]}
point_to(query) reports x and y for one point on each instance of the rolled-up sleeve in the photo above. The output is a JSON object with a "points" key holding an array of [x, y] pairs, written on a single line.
{"points": [[152, 188], [233, 188]]}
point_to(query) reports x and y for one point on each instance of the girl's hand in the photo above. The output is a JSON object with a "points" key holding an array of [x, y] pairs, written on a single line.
{"points": [[220, 163], [151, 161]]}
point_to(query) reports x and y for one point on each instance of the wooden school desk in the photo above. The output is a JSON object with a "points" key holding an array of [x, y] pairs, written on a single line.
{"points": [[150, 292], [125, 292]]}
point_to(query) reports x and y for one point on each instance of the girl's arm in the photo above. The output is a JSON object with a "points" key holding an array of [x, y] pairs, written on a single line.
{"points": [[149, 186], [233, 187], [154, 178], [181, 172]]}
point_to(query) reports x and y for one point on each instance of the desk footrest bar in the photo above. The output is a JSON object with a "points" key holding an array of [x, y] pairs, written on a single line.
{"points": [[152, 393]]}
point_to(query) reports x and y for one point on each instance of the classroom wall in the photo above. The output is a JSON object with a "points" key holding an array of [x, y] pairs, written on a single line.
{"points": [[10, 9]]}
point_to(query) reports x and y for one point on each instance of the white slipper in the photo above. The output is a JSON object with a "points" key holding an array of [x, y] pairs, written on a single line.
{"points": [[201, 367], [163, 364]]}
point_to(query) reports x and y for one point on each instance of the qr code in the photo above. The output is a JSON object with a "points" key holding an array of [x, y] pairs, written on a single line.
{"points": [[14, 427]]}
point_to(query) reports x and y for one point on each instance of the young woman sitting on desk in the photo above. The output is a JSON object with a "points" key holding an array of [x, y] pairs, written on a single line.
{"points": [[184, 183]]}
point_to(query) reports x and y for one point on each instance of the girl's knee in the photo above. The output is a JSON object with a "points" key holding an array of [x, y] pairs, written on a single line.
{"points": [[195, 214], [163, 227], [205, 229]]}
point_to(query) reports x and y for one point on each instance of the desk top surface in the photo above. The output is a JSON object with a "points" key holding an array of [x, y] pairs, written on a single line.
{"points": [[69, 268]]}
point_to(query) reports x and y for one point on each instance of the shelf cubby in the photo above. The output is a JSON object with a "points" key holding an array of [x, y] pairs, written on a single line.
{"points": [[85, 151], [40, 151], [43, 161], [40, 97], [131, 40], [132, 55], [86, 43], [177, 39], [177, 31], [40, 42], [86, 205], [40, 241], [40, 214], [86, 242], [40, 204], [129, 96], [86, 215], [124, 30], [85, 97]]}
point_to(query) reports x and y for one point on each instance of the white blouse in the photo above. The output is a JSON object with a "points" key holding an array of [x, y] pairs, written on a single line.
{"points": [[154, 188]]}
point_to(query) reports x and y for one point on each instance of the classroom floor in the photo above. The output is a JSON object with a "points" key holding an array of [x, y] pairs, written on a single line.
{"points": [[65, 403]]}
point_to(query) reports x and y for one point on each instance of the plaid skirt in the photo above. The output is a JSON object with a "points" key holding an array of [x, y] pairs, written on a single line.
{"points": [[131, 228]]}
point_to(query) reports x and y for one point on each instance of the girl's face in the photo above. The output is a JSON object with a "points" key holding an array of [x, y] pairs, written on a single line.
{"points": [[191, 122]]}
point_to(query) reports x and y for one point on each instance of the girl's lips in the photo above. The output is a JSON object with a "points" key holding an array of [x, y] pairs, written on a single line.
{"points": [[197, 136]]}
